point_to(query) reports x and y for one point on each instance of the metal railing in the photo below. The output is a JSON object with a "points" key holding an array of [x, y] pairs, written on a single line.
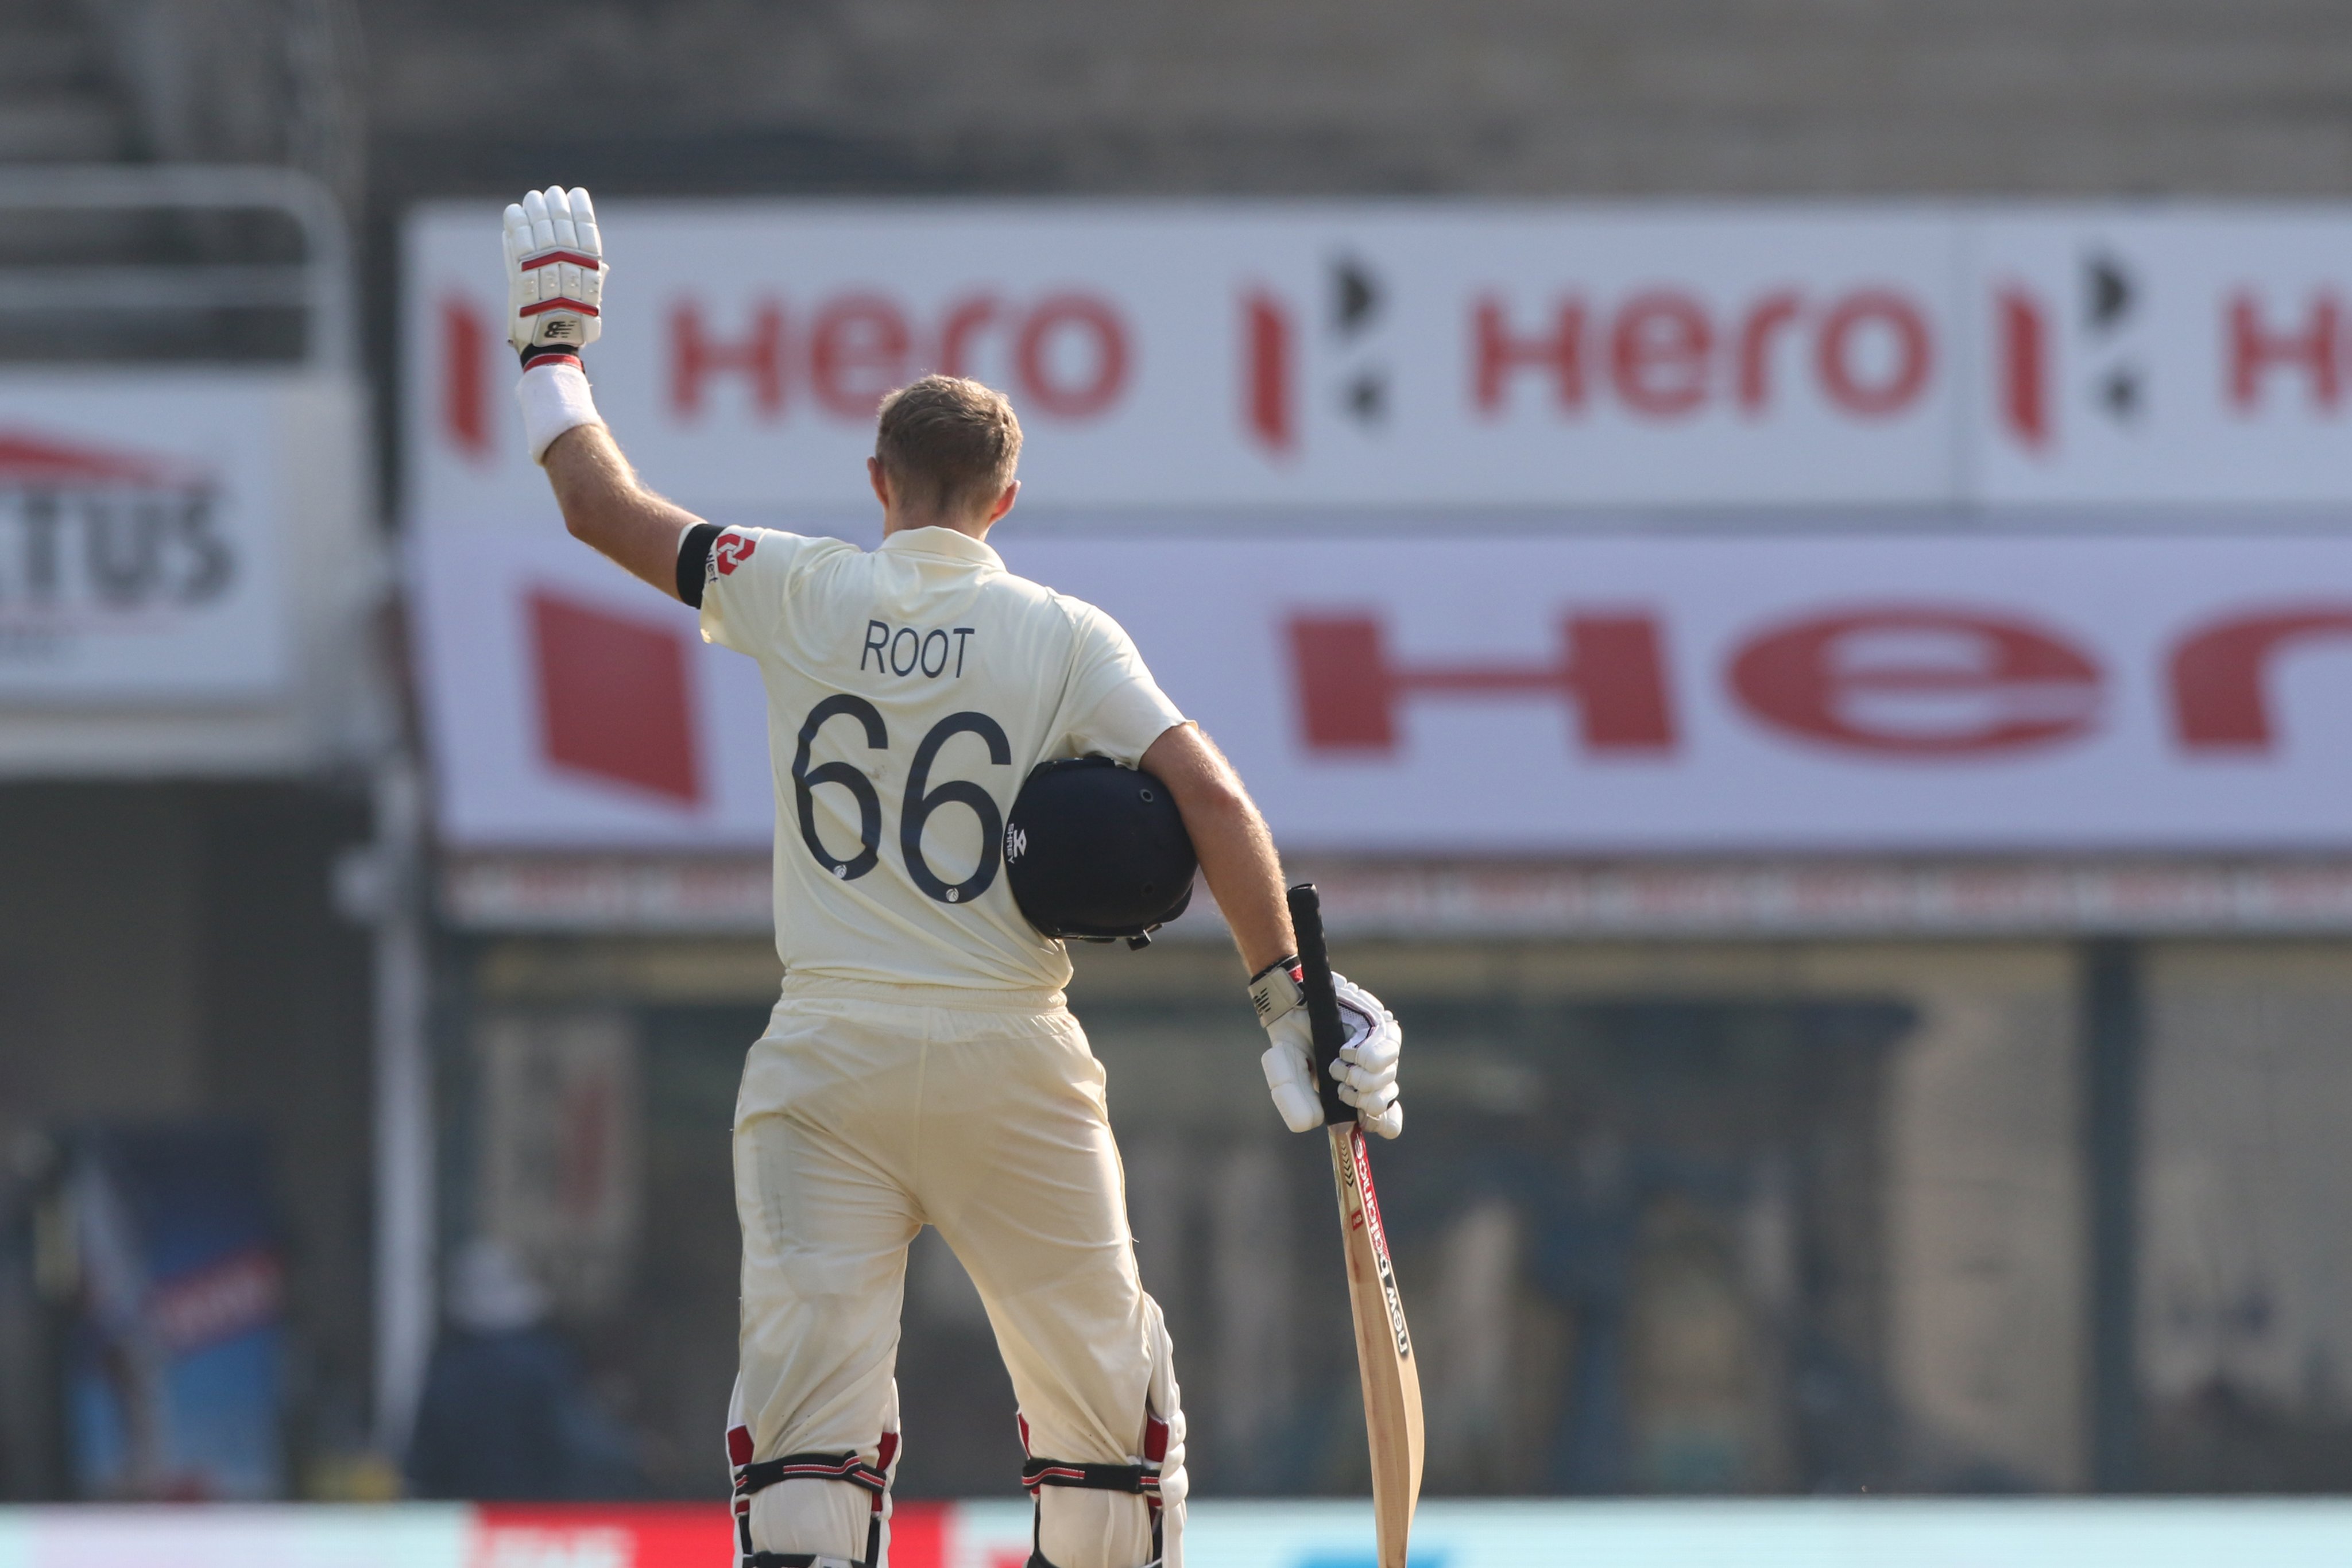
{"points": [[124, 288]]}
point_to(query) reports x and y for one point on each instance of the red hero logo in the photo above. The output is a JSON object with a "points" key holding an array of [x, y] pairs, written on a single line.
{"points": [[1066, 354], [1919, 681], [731, 551], [1665, 354], [1896, 681]]}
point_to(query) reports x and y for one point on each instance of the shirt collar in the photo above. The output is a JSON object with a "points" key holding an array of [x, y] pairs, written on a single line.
{"points": [[950, 543]]}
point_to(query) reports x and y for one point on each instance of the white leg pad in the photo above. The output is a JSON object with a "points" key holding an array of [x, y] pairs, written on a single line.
{"points": [[1078, 1528], [1167, 1402], [1082, 1527], [830, 1519], [824, 1517]]}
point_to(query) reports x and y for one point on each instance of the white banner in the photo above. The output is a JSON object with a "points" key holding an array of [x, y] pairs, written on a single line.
{"points": [[2162, 356], [140, 539], [1448, 355], [188, 573], [1535, 694]]}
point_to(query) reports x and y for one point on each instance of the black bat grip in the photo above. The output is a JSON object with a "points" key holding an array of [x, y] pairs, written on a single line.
{"points": [[1322, 1000]]}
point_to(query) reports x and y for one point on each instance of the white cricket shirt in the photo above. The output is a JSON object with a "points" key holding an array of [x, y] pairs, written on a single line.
{"points": [[910, 690]]}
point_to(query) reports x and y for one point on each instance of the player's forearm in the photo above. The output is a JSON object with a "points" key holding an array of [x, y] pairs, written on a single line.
{"points": [[1246, 877], [1236, 852], [604, 506]]}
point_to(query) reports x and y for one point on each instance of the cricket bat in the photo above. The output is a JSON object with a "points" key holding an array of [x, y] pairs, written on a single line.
{"points": [[1383, 1346]]}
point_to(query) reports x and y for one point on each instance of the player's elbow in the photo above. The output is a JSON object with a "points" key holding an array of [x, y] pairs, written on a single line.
{"points": [[1196, 773], [585, 520], [1216, 805]]}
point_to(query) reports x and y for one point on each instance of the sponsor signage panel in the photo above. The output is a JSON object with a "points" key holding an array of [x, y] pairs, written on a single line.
{"points": [[2164, 356], [569, 705], [1454, 355], [1337, 1534], [1537, 695], [411, 1535], [140, 539]]}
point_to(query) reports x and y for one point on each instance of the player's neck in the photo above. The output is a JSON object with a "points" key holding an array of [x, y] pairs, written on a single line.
{"points": [[971, 527]]}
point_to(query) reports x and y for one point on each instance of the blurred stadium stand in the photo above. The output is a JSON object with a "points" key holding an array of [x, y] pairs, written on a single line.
{"points": [[1495, 96]]}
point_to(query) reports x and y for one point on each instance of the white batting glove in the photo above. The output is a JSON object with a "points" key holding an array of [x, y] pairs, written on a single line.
{"points": [[555, 273], [1366, 1069], [555, 301]]}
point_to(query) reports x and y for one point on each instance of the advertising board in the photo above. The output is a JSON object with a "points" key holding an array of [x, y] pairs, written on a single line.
{"points": [[141, 544], [185, 567], [1509, 695], [1303, 356], [173, 1377], [1337, 1534]]}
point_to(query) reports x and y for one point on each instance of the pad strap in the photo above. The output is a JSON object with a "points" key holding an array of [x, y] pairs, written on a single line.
{"points": [[1141, 1480], [849, 1467]]}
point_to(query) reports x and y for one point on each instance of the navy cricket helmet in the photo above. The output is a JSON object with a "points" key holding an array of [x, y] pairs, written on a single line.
{"points": [[1096, 850]]}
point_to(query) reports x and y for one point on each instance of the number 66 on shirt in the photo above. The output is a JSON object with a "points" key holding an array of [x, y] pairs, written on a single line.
{"points": [[919, 804]]}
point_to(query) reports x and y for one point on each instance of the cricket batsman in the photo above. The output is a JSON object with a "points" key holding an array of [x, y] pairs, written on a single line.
{"points": [[920, 1066]]}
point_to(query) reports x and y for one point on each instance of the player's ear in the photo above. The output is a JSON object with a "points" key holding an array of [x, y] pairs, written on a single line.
{"points": [[880, 480], [1005, 502]]}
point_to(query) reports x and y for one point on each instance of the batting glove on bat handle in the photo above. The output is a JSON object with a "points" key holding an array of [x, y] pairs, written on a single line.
{"points": [[1366, 1069], [555, 273]]}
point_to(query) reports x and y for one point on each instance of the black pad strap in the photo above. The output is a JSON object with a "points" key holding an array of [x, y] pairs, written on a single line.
{"points": [[848, 1468], [694, 561], [1143, 1480]]}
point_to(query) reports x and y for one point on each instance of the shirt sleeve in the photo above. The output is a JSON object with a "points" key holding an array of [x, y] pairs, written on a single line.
{"points": [[748, 576], [1115, 709]]}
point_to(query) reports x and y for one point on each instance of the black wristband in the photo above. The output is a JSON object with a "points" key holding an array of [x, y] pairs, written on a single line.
{"points": [[531, 353], [694, 561], [1289, 963]]}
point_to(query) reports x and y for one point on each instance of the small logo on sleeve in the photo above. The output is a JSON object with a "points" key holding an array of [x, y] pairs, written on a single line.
{"points": [[731, 551]]}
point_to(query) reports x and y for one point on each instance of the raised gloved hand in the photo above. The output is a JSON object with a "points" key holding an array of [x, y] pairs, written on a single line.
{"points": [[555, 273], [1366, 1069]]}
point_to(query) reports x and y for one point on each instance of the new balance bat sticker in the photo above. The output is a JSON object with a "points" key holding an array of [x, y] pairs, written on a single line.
{"points": [[1383, 1344]]}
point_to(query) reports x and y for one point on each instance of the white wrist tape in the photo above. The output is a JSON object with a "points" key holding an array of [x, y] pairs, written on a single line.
{"points": [[554, 397]]}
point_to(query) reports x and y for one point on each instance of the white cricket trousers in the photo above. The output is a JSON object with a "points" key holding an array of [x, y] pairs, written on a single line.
{"points": [[867, 1111]]}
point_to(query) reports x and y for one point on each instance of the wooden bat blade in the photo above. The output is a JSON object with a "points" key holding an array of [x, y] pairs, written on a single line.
{"points": [[1383, 1347]]}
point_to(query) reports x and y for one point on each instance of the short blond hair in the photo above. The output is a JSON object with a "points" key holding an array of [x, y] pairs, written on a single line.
{"points": [[949, 443]]}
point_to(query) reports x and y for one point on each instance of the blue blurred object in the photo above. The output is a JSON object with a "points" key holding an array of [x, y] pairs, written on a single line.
{"points": [[173, 1374]]}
